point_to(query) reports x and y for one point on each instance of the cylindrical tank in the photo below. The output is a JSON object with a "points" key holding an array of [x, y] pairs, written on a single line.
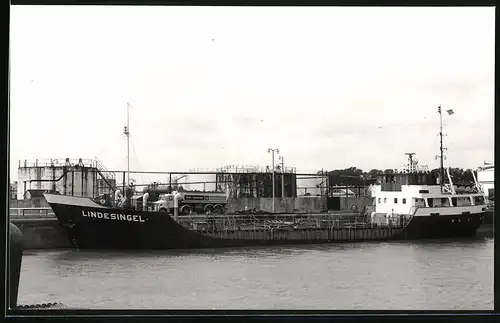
{"points": [[155, 191]]}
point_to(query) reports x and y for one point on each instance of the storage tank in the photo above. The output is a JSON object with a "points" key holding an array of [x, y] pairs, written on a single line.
{"points": [[254, 181], [75, 177]]}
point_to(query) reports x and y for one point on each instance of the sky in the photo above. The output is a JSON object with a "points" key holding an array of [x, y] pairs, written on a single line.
{"points": [[330, 87]]}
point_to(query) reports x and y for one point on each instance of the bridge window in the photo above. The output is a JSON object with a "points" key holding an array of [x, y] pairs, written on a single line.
{"points": [[395, 200], [454, 201], [419, 202], [385, 199], [478, 200], [404, 201], [445, 201], [463, 201], [379, 200], [437, 202]]}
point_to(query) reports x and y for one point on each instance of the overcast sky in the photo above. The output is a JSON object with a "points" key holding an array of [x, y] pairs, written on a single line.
{"points": [[208, 86]]}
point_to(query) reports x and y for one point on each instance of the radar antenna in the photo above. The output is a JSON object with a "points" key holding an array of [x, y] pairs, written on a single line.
{"points": [[410, 161]]}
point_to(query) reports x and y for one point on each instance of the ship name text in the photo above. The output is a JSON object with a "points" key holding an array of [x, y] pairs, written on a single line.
{"points": [[113, 216]]}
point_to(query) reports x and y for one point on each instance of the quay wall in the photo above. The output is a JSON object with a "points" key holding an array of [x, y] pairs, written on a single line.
{"points": [[43, 233]]}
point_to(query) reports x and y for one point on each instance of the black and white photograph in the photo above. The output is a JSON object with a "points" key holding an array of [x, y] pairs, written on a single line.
{"points": [[251, 158]]}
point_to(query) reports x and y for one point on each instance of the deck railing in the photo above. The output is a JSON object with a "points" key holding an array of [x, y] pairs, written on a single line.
{"points": [[57, 162], [213, 223]]}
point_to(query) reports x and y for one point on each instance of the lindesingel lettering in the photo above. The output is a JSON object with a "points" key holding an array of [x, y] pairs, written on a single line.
{"points": [[113, 216]]}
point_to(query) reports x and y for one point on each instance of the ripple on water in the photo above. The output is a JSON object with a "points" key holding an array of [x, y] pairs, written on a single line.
{"points": [[444, 274]]}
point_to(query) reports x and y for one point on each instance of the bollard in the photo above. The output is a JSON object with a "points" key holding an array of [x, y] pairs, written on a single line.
{"points": [[15, 261]]}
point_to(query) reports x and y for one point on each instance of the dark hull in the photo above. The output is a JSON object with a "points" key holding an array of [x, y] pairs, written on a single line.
{"points": [[158, 230], [489, 214]]}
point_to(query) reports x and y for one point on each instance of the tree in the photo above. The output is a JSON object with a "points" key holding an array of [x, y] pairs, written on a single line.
{"points": [[374, 173], [459, 176], [353, 174]]}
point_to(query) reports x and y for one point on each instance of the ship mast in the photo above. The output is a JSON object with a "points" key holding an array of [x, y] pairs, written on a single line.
{"points": [[441, 149], [126, 132]]}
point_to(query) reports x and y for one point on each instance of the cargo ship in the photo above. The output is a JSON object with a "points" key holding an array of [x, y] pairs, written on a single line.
{"points": [[410, 203]]}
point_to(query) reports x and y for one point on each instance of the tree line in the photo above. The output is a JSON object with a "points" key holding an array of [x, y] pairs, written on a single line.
{"points": [[458, 175]]}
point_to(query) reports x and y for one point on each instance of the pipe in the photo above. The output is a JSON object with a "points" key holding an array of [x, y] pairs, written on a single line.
{"points": [[50, 180], [118, 196], [15, 262], [177, 197], [145, 201], [216, 173], [81, 170]]}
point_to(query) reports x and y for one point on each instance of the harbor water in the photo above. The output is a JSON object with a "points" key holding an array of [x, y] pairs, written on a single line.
{"points": [[423, 275]]}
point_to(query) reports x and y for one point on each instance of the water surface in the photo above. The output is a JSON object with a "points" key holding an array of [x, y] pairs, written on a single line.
{"points": [[425, 275]]}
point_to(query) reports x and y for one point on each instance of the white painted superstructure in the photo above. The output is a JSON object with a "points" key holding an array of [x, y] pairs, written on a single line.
{"points": [[416, 192], [486, 178], [426, 200]]}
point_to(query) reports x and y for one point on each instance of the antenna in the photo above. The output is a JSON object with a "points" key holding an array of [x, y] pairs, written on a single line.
{"points": [[126, 132], [410, 158], [441, 149]]}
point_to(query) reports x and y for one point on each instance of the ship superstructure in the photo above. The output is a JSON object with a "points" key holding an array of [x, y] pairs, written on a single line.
{"points": [[415, 192]]}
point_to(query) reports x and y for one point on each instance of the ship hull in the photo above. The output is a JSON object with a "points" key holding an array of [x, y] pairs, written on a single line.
{"points": [[447, 226], [96, 227], [489, 216], [160, 231]]}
